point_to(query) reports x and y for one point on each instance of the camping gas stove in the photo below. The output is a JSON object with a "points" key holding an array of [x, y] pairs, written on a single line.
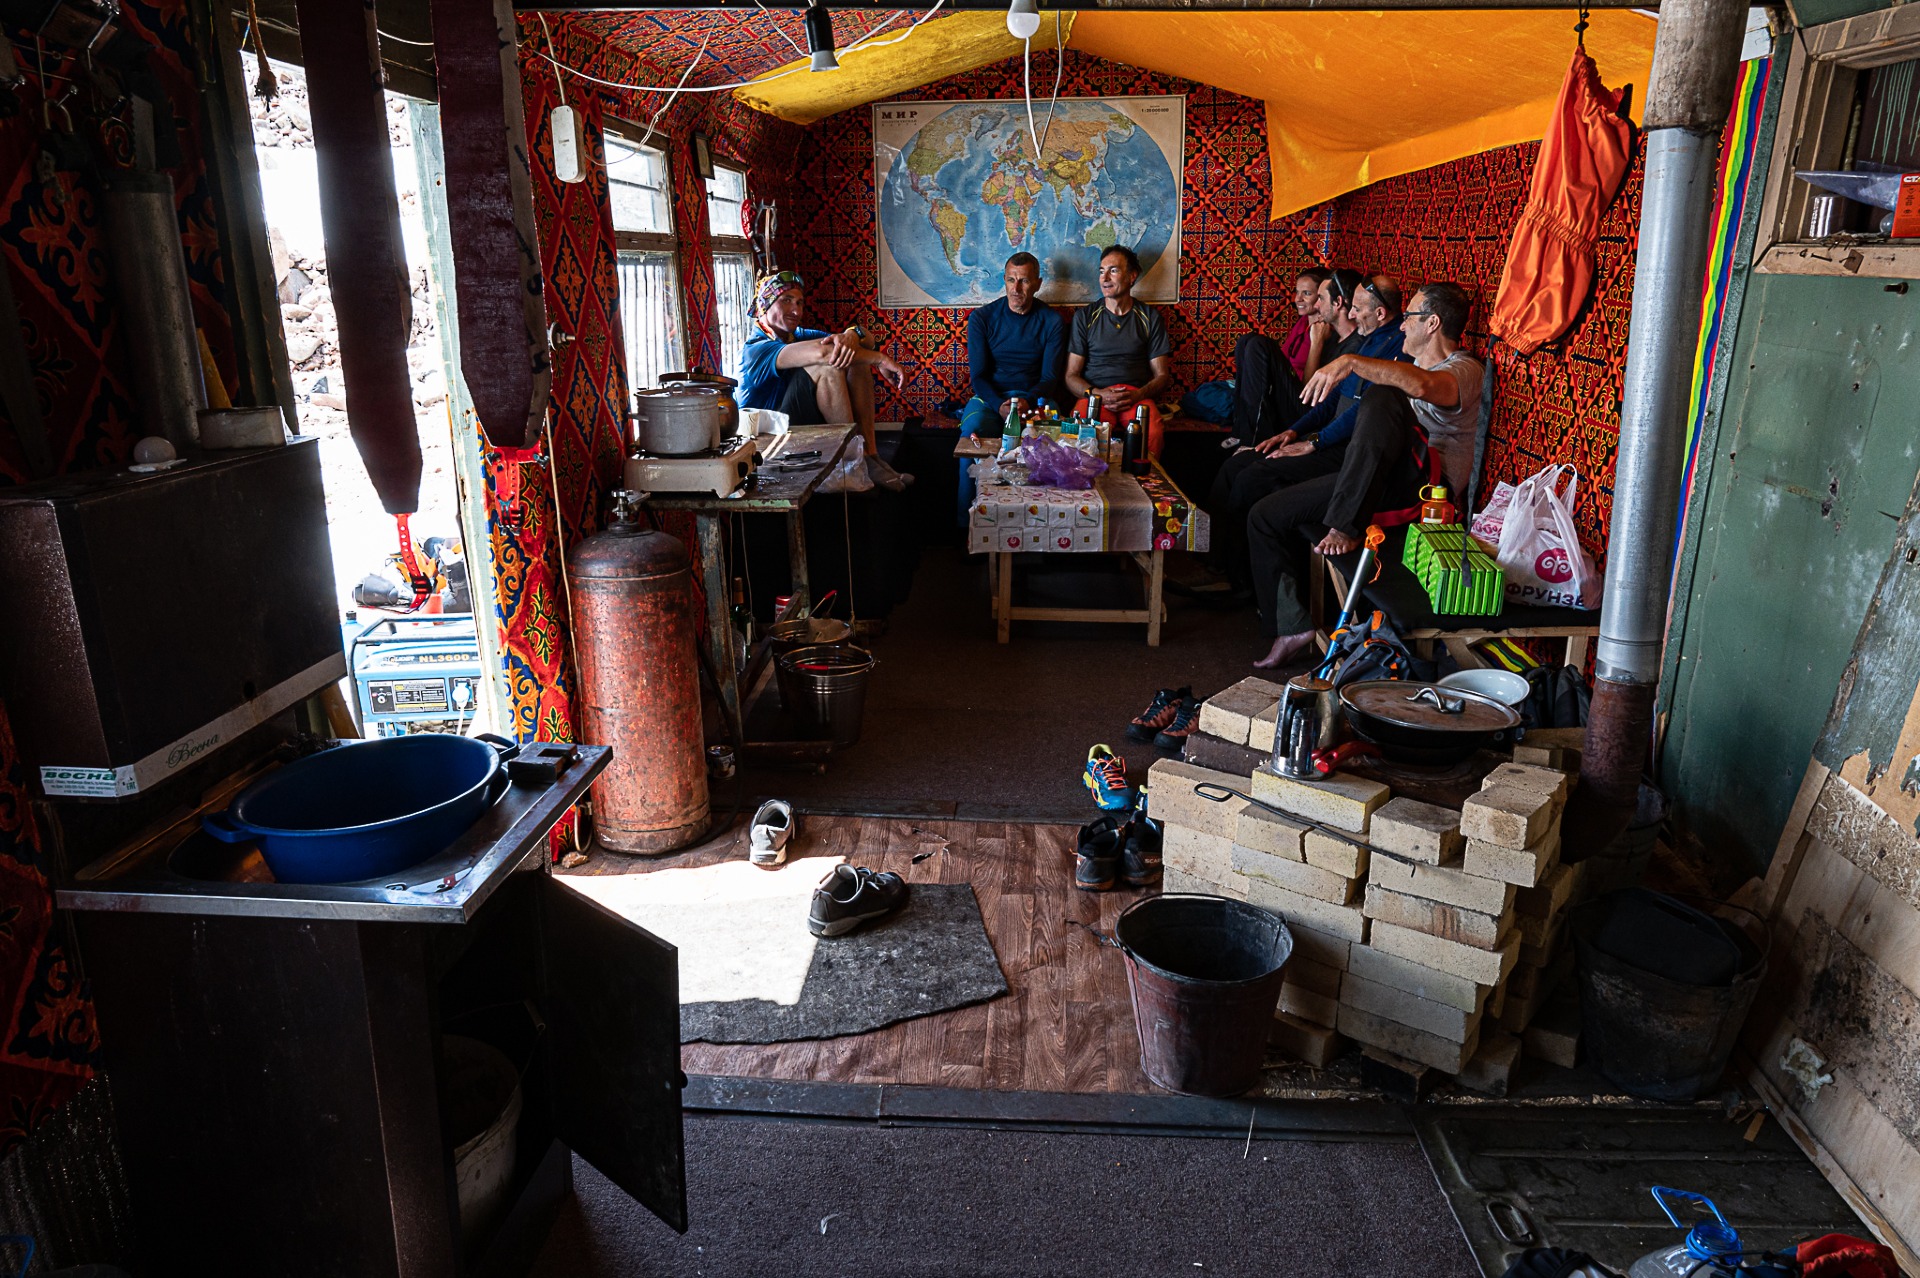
{"points": [[721, 471]]}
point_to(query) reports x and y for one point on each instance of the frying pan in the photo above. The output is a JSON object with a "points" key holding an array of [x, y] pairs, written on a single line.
{"points": [[1422, 723]]}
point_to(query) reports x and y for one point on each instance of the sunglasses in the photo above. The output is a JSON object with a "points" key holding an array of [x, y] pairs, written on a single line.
{"points": [[1412, 314], [786, 277], [1378, 295]]}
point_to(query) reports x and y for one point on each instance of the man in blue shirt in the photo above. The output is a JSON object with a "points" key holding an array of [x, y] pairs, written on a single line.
{"points": [[813, 376], [1016, 348]]}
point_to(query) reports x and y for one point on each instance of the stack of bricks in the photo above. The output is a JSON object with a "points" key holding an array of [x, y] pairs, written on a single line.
{"points": [[1457, 901]]}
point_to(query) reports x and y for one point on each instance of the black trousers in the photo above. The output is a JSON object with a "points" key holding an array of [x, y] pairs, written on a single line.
{"points": [[798, 400], [1378, 472], [1242, 481], [1266, 393]]}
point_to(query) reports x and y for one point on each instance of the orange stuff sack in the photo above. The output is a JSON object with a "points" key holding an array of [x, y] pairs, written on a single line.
{"points": [[1583, 162]]}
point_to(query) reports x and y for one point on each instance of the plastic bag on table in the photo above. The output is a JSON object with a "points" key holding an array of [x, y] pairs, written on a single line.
{"points": [[849, 475], [1060, 465]]}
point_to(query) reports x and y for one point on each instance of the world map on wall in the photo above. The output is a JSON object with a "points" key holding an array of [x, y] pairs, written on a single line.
{"points": [[959, 190]]}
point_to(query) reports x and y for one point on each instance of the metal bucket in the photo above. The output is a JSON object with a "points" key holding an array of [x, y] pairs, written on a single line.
{"points": [[1653, 1036], [1204, 972], [824, 687], [801, 632]]}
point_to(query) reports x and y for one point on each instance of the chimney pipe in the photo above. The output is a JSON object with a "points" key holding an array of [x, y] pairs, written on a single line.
{"points": [[1696, 63]]}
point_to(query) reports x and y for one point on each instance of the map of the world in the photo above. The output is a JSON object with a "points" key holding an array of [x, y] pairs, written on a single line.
{"points": [[959, 191]]}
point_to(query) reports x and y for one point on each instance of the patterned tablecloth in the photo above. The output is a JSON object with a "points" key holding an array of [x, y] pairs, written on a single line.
{"points": [[1120, 512]]}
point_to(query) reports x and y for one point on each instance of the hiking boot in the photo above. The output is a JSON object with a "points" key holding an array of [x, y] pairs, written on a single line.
{"points": [[1186, 718], [1140, 852], [1097, 859], [1158, 714], [1106, 778], [851, 896]]}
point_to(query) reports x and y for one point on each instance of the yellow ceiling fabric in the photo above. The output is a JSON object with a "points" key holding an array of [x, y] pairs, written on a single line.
{"points": [[943, 46], [1353, 97]]}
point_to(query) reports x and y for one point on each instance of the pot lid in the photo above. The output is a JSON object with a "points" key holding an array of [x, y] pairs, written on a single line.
{"points": [[679, 392], [1422, 705]]}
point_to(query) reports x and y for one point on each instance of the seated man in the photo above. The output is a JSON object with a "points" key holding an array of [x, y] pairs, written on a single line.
{"points": [[1016, 346], [1254, 472], [1267, 374], [1119, 349], [815, 377], [1381, 468]]}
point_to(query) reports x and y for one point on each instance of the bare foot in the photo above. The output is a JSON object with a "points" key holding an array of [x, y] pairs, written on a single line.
{"points": [[1284, 649]]}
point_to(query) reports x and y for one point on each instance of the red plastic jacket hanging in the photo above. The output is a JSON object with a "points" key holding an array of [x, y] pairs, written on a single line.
{"points": [[1583, 162]]}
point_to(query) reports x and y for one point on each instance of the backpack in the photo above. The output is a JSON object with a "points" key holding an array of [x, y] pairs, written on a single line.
{"points": [[1370, 648], [1209, 402]]}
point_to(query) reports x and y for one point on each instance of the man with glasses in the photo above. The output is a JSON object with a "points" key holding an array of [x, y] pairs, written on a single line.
{"points": [[1352, 305], [1408, 407], [813, 376]]}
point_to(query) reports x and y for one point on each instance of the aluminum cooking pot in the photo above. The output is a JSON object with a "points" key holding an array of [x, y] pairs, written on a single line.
{"points": [[729, 407], [681, 420], [367, 809]]}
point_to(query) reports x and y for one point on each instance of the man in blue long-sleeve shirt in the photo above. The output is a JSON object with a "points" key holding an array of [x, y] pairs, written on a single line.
{"points": [[1016, 350]]}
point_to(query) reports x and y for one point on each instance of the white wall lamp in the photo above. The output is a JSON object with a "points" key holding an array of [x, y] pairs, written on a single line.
{"points": [[1023, 19], [819, 24]]}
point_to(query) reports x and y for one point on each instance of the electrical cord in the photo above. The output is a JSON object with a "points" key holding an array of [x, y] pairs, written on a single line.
{"points": [[1026, 80]]}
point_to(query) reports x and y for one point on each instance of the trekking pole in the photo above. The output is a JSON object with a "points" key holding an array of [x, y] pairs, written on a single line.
{"points": [[1360, 579]]}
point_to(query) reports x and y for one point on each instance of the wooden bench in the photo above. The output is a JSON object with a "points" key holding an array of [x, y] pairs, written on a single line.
{"points": [[1399, 594]]}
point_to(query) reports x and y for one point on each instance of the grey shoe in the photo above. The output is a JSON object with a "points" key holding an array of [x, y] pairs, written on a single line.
{"points": [[853, 895]]}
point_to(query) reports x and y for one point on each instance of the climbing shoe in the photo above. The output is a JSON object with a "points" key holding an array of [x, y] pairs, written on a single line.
{"points": [[1158, 714], [1140, 852], [1186, 718], [1097, 858], [1106, 778]]}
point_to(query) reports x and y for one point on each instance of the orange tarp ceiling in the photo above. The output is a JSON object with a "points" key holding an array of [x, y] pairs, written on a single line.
{"points": [[1351, 96]]}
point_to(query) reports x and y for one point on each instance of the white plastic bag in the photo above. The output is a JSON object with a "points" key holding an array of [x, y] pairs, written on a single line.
{"points": [[1487, 524], [850, 474], [1539, 551]]}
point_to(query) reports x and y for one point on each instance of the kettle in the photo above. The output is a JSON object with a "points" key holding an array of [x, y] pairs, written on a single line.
{"points": [[1309, 721], [1711, 1248]]}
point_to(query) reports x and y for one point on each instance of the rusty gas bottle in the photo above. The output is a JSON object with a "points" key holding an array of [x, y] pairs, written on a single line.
{"points": [[633, 636]]}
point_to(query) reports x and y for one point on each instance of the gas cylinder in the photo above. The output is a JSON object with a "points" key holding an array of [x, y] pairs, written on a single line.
{"points": [[1711, 1248], [633, 645]]}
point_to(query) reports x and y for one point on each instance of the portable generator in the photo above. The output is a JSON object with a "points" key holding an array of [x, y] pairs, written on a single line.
{"points": [[416, 673]]}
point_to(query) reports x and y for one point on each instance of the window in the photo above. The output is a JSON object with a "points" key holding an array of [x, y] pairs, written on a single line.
{"points": [[1851, 103], [732, 262], [647, 262]]}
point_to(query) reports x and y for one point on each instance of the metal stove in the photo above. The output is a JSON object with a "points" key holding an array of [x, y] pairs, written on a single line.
{"points": [[722, 470]]}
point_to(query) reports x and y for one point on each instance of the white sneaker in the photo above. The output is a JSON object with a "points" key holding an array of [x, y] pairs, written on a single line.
{"points": [[771, 829]]}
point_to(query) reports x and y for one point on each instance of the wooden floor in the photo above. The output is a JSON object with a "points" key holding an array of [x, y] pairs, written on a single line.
{"points": [[1066, 1024]]}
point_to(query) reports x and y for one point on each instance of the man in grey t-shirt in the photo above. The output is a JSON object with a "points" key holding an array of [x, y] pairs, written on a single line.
{"points": [[1119, 347]]}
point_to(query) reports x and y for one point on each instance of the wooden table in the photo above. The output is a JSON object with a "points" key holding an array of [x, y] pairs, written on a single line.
{"points": [[1158, 518], [773, 490]]}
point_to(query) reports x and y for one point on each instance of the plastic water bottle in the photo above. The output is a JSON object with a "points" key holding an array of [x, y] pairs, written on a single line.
{"points": [[1711, 1248]]}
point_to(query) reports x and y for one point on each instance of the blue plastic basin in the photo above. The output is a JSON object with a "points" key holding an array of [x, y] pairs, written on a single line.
{"points": [[367, 809]]}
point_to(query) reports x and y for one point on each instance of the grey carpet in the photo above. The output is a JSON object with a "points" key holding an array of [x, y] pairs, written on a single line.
{"points": [[962, 726], [980, 1204], [931, 957]]}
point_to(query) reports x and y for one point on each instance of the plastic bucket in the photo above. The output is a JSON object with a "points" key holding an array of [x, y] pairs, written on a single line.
{"points": [[1204, 972], [1623, 862], [824, 687], [1652, 1035]]}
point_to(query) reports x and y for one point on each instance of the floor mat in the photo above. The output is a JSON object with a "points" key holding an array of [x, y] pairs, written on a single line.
{"points": [[1520, 1178], [807, 1199], [750, 972]]}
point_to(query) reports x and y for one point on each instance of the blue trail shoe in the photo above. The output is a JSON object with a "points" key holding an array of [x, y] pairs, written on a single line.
{"points": [[1106, 778]]}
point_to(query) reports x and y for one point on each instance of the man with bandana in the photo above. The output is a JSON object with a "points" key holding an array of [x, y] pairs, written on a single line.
{"points": [[813, 376]]}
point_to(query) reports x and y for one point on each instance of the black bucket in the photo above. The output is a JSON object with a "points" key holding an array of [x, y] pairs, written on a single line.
{"points": [[1204, 972], [1623, 862], [1659, 1014]]}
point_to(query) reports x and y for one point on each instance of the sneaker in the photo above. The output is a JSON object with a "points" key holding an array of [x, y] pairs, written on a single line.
{"points": [[1140, 852], [770, 832], [1097, 859], [1106, 778], [853, 895], [1186, 718], [1158, 714]]}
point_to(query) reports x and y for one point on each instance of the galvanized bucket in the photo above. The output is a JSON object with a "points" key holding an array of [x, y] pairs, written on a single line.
{"points": [[824, 687]]}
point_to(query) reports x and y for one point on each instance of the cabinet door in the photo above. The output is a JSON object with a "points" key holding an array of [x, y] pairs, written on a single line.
{"points": [[610, 993]]}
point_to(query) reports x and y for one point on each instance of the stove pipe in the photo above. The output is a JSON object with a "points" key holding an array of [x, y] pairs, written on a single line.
{"points": [[150, 277], [1696, 61]]}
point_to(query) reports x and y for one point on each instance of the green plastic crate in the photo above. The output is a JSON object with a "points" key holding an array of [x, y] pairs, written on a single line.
{"points": [[1433, 555]]}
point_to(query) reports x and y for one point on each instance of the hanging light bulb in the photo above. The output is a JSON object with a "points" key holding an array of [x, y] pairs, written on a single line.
{"points": [[1023, 19], [819, 24]]}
